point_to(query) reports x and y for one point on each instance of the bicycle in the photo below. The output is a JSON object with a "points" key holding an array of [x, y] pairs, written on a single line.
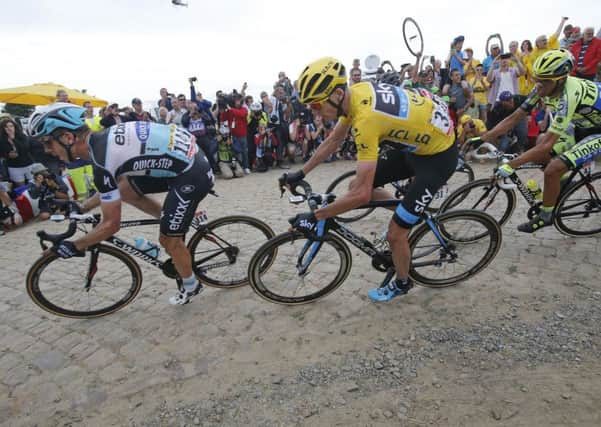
{"points": [[463, 173], [578, 199], [108, 278], [321, 265]]}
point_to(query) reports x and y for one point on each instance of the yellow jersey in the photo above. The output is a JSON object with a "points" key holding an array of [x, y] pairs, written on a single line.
{"points": [[412, 119]]}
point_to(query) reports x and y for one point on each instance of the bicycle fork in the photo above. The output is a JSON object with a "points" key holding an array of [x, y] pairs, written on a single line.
{"points": [[92, 268], [311, 246]]}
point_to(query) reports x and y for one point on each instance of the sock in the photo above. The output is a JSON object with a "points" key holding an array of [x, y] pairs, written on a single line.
{"points": [[401, 282], [190, 283], [546, 213]]}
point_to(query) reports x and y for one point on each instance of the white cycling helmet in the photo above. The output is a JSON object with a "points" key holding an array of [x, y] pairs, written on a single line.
{"points": [[255, 106]]}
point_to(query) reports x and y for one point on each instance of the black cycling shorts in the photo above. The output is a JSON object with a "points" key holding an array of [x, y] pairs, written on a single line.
{"points": [[184, 193], [431, 172]]}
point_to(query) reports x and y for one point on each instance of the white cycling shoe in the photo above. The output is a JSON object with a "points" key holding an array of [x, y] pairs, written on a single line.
{"points": [[183, 297]]}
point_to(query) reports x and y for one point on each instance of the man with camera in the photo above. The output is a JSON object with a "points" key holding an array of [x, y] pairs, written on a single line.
{"points": [[278, 119], [44, 187], [256, 116], [234, 114]]}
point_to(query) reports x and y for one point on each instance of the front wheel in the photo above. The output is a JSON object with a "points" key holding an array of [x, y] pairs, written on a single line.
{"points": [[578, 212], [482, 195], [102, 282], [303, 270], [221, 250], [461, 245]]}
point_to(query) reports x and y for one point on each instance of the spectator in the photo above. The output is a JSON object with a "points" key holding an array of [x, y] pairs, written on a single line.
{"points": [[437, 79], [480, 86], [285, 83], [469, 128], [505, 78], [355, 76], [506, 105], [300, 136], [469, 68], [62, 96], [163, 116], [456, 55], [15, 148], [488, 62], [278, 119], [165, 100], [203, 104], [542, 44], [92, 121], [179, 109], [598, 75], [265, 143], [256, 116], [460, 94], [9, 213], [565, 42], [138, 114], [236, 117], [202, 126], [44, 187], [525, 82], [587, 54], [111, 116]]}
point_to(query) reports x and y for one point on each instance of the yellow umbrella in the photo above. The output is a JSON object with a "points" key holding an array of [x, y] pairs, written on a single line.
{"points": [[45, 93]]}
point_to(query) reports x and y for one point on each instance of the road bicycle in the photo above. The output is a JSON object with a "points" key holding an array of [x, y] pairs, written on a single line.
{"points": [[578, 205], [446, 249], [463, 174], [108, 278]]}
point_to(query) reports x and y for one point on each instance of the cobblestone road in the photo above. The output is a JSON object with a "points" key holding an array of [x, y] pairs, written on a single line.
{"points": [[121, 369]]}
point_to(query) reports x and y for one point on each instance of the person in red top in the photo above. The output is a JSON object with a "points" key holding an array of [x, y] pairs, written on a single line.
{"points": [[587, 54], [236, 115]]}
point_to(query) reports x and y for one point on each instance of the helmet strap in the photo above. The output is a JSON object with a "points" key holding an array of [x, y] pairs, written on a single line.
{"points": [[337, 106]]}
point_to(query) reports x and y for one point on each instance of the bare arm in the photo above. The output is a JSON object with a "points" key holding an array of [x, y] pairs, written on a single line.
{"points": [[329, 146], [490, 76], [505, 126], [358, 194], [520, 66], [110, 224], [560, 26], [538, 154]]}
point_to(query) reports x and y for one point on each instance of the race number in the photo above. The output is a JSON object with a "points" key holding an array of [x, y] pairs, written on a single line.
{"points": [[440, 116]]}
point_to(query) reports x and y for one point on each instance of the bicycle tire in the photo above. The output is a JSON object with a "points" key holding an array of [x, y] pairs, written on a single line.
{"points": [[287, 247], [225, 265], [481, 195], [413, 50], [486, 251], [591, 205], [46, 298], [342, 183]]}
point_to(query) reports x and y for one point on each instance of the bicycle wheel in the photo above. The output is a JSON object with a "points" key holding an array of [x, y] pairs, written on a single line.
{"points": [[577, 213], [221, 250], [413, 36], [485, 196], [464, 174], [472, 238], [303, 271], [339, 187], [103, 282]]}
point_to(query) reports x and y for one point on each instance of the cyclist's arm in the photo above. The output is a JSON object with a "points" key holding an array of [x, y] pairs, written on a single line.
{"points": [[359, 194], [505, 125], [110, 224], [541, 153], [328, 147]]}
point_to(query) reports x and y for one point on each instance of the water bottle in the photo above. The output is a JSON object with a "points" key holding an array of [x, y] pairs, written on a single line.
{"points": [[535, 189], [145, 246]]}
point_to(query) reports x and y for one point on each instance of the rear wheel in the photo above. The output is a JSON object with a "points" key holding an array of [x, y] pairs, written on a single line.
{"points": [[221, 250], [339, 187], [578, 212]]}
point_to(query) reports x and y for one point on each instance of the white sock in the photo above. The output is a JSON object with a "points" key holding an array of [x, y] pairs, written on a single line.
{"points": [[190, 283]]}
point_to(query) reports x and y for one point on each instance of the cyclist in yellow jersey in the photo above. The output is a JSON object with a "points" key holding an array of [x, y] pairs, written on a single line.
{"points": [[415, 123], [574, 101]]}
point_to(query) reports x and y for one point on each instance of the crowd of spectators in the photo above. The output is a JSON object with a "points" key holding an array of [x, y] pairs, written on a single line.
{"points": [[241, 134]]}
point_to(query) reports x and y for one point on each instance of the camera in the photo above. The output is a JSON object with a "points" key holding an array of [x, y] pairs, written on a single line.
{"points": [[274, 119], [505, 55], [225, 100], [192, 79]]}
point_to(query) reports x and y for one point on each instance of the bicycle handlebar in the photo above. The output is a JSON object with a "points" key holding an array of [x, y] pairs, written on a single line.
{"points": [[492, 152]]}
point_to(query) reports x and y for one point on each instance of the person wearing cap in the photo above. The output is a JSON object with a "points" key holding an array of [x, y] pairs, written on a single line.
{"points": [[495, 50], [456, 55], [139, 115], [44, 187], [504, 107], [469, 128], [543, 44], [469, 68]]}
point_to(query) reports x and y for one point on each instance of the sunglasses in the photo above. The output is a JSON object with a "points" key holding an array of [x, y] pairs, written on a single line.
{"points": [[315, 106]]}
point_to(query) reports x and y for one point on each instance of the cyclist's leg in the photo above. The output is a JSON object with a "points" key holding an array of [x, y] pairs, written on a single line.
{"points": [[185, 192], [134, 190], [521, 131], [393, 166]]}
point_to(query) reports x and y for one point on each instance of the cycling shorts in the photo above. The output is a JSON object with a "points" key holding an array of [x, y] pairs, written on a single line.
{"points": [[184, 193], [582, 152], [431, 172]]}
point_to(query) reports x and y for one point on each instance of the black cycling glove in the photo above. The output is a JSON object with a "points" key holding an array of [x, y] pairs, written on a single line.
{"points": [[67, 249]]}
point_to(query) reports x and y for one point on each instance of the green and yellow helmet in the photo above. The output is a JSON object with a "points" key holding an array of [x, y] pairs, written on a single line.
{"points": [[319, 79], [553, 64]]}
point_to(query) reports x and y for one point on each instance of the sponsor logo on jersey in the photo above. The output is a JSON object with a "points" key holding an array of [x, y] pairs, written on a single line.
{"points": [[180, 211], [145, 164], [143, 130], [391, 100]]}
